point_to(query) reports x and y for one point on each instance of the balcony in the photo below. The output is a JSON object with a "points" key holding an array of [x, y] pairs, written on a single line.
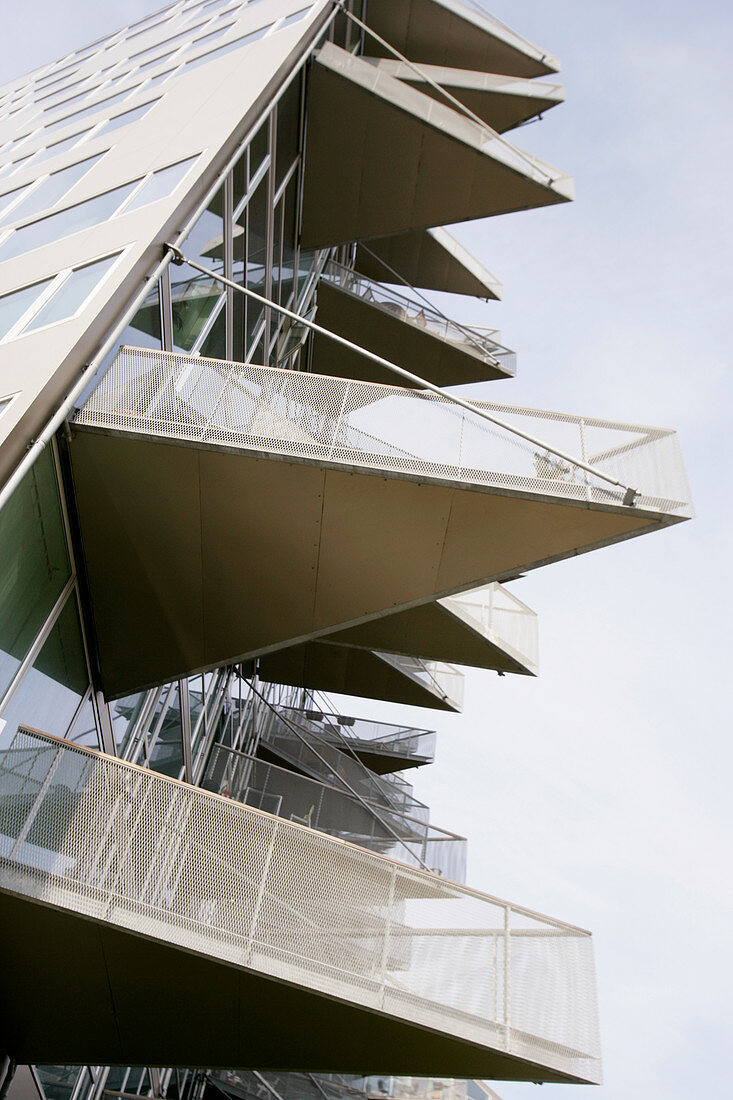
{"points": [[485, 628], [429, 258], [395, 326], [385, 158], [324, 807], [502, 102], [456, 32], [381, 746], [280, 947], [394, 678], [346, 500]]}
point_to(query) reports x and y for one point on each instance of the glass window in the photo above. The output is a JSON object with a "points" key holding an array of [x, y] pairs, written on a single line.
{"points": [[51, 691], [58, 1081], [34, 566], [124, 714], [207, 38], [214, 345], [155, 61], [161, 184], [196, 295], [84, 728], [72, 294], [214, 55], [156, 80], [166, 755], [288, 130], [72, 220], [294, 17], [13, 306], [127, 116], [102, 105], [10, 197], [53, 188], [5, 403], [60, 146]]}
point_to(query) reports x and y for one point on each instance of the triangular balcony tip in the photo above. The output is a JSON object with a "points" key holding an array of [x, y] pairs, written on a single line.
{"points": [[242, 509], [486, 628], [455, 33], [282, 947], [398, 325], [502, 102], [326, 665], [428, 258], [385, 158]]}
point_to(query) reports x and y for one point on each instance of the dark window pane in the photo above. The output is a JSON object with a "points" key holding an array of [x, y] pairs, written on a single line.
{"points": [[35, 563], [288, 125]]}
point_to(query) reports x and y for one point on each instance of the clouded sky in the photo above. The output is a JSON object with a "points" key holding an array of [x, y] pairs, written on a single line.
{"points": [[601, 792]]}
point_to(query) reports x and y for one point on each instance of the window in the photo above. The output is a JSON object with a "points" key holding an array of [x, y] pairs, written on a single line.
{"points": [[222, 50], [60, 146], [15, 305], [72, 294], [54, 299], [50, 190], [72, 220], [101, 105], [160, 184], [6, 402], [294, 17], [127, 116]]}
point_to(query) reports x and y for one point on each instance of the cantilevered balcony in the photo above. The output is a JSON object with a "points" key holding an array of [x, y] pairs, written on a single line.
{"points": [[502, 102], [394, 678], [487, 628], [382, 746], [335, 811], [455, 32], [244, 509], [403, 329], [280, 947], [385, 158], [429, 258]]}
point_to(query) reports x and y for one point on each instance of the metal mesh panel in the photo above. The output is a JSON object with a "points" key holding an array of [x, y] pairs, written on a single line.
{"points": [[137, 850], [323, 419], [321, 806], [480, 343], [364, 733], [502, 618], [440, 678]]}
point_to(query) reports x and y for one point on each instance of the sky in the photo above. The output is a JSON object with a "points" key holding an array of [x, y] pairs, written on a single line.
{"points": [[600, 792]]}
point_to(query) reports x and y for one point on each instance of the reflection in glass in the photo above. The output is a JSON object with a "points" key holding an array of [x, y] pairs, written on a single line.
{"points": [[51, 691], [73, 220], [72, 294], [35, 564], [161, 184], [53, 188], [13, 306], [166, 754]]}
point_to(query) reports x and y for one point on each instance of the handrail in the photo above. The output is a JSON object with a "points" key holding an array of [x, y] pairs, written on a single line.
{"points": [[179, 259]]}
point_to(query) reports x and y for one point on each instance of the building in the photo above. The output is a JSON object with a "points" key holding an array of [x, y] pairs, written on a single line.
{"points": [[229, 488]]}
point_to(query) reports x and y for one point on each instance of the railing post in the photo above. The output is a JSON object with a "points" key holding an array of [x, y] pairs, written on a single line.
{"points": [[507, 978], [387, 933]]}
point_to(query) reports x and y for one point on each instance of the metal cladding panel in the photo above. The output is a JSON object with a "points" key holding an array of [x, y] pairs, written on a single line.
{"points": [[448, 32], [203, 111], [280, 946], [384, 158]]}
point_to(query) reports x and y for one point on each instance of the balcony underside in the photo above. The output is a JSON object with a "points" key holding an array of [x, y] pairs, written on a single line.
{"points": [[429, 258], [384, 158], [347, 670], [502, 102], [433, 632], [308, 548], [370, 326], [443, 32]]}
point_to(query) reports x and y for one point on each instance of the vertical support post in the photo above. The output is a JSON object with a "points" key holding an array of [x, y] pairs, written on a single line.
{"points": [[387, 933], [507, 978], [185, 709], [584, 456]]}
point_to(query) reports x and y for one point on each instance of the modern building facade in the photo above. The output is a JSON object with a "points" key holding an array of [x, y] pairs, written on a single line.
{"points": [[235, 479]]}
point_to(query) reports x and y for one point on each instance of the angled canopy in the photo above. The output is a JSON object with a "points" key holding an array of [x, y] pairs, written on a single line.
{"points": [[428, 258], [384, 158], [243, 509]]}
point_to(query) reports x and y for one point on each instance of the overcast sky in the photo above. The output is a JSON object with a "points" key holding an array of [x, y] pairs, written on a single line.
{"points": [[601, 792]]}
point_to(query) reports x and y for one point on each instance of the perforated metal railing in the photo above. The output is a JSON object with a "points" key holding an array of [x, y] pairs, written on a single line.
{"points": [[403, 741], [440, 678], [502, 618], [480, 343], [424, 435], [324, 807], [91, 834]]}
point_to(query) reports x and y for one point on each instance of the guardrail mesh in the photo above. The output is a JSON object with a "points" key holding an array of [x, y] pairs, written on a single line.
{"points": [[501, 617], [413, 432], [132, 848]]}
